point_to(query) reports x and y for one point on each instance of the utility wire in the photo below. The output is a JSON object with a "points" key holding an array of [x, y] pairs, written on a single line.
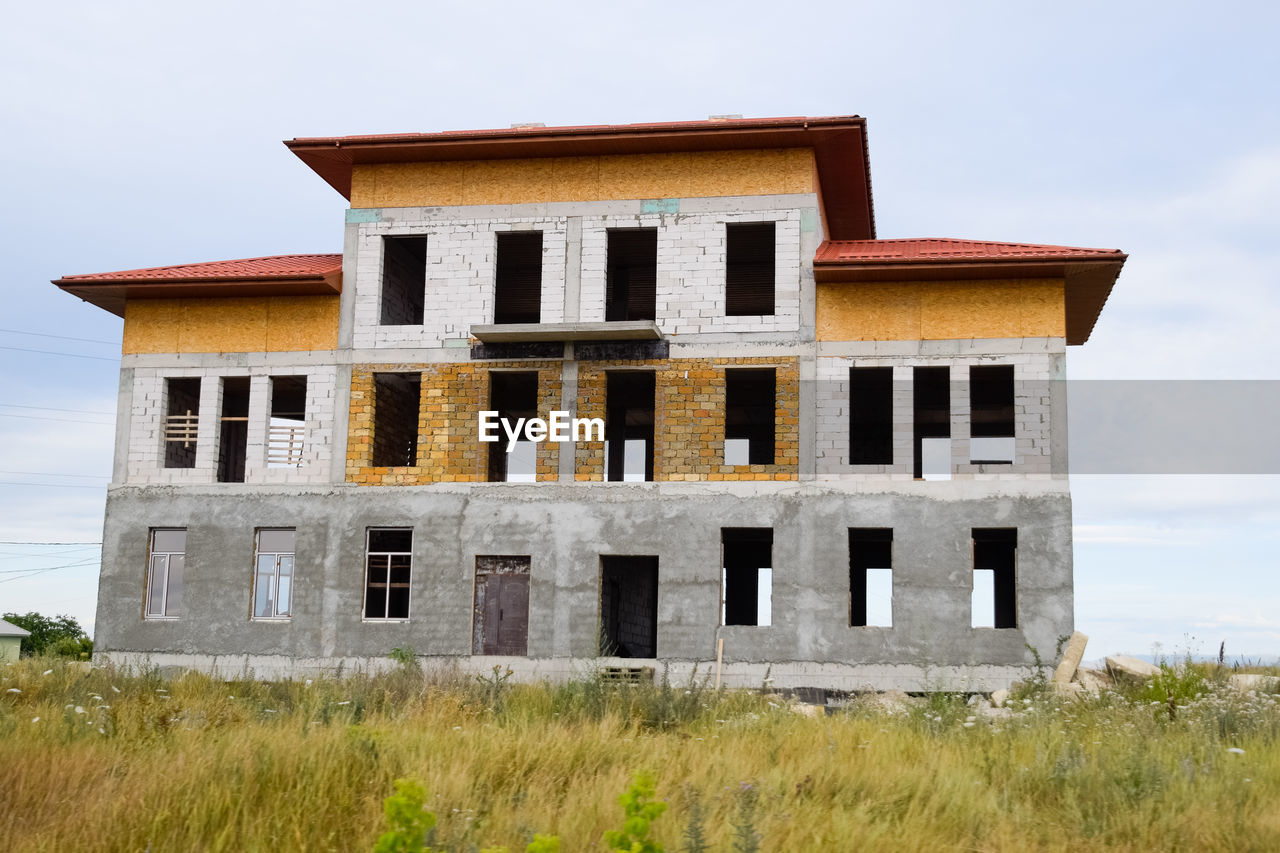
{"points": [[49, 543], [51, 409], [55, 474], [60, 420], [59, 337], [53, 485], [34, 572], [42, 556], [68, 354]]}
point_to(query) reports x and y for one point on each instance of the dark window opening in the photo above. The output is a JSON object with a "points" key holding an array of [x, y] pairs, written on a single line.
{"points": [[632, 275], [871, 416], [287, 428], [749, 273], [404, 280], [517, 293], [629, 607], [182, 422], [747, 576], [995, 559], [233, 429], [629, 425], [389, 563], [513, 396], [396, 400], [871, 576], [931, 395], [500, 623], [749, 411], [991, 414]]}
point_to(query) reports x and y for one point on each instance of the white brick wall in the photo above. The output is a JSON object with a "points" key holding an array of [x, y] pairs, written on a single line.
{"points": [[459, 276], [691, 270], [146, 431], [1032, 372]]}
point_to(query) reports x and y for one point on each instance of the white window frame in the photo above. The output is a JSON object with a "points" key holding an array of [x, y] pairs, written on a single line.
{"points": [[258, 554], [364, 598], [166, 558]]}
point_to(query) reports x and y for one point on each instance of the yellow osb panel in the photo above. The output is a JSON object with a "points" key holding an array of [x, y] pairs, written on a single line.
{"points": [[232, 324], [938, 310], [603, 178]]}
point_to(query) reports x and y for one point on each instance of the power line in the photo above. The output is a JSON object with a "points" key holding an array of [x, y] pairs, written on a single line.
{"points": [[50, 543], [51, 409], [42, 556], [56, 474], [53, 485], [68, 354], [60, 420], [33, 572], [59, 337]]}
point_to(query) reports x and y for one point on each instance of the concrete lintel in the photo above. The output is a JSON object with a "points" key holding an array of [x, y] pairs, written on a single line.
{"points": [[618, 330]]}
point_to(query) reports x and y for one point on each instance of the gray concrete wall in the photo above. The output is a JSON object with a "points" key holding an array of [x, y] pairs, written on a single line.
{"points": [[565, 530]]}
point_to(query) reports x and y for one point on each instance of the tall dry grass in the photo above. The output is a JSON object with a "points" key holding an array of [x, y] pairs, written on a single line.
{"points": [[107, 760]]}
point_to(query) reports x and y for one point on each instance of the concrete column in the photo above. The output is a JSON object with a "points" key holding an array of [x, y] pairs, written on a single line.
{"points": [[573, 269]]}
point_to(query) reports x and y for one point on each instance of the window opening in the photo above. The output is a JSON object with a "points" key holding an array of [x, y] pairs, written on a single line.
{"points": [[629, 607], [871, 576], [749, 268], [181, 422], [995, 559], [273, 573], [628, 447], [750, 407], [233, 429], [871, 416], [631, 275], [991, 414], [165, 564], [746, 576], [513, 395], [388, 565], [517, 293], [404, 280], [931, 395], [396, 401], [287, 427]]}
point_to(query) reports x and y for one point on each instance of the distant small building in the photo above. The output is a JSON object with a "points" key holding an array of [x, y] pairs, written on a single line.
{"points": [[11, 640]]}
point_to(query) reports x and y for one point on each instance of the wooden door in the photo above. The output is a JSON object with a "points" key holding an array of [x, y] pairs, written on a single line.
{"points": [[505, 614]]}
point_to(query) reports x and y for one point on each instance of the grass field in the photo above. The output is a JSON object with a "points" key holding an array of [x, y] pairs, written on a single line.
{"points": [[108, 760]]}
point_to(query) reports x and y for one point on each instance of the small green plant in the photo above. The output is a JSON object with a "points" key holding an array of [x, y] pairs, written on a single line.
{"points": [[745, 837], [640, 813], [493, 686], [406, 657], [410, 822], [695, 836]]}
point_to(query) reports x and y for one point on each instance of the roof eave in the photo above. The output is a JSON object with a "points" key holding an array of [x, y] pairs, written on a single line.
{"points": [[113, 294]]}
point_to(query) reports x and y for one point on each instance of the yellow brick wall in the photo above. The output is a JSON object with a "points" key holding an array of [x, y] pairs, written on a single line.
{"points": [[938, 310], [694, 174], [689, 419], [231, 324], [449, 446]]}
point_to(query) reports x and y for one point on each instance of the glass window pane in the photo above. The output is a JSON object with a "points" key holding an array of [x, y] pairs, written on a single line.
{"points": [[155, 595], [169, 541], [984, 598], [880, 597], [283, 604], [286, 565], [173, 599], [398, 602], [391, 540], [276, 541], [263, 583]]}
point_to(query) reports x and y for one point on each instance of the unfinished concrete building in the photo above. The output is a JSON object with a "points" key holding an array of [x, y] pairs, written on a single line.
{"points": [[828, 457]]}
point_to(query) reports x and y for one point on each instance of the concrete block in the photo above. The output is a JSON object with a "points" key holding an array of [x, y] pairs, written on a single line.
{"points": [[1071, 657], [1124, 667]]}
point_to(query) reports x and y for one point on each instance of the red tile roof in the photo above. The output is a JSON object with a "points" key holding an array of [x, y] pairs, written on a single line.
{"points": [[916, 250], [278, 275], [244, 269]]}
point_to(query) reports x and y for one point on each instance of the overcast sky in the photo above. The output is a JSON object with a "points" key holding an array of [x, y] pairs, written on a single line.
{"points": [[149, 134]]}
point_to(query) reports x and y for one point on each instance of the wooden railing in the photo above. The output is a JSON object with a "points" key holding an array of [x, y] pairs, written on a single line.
{"points": [[284, 445], [182, 428]]}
